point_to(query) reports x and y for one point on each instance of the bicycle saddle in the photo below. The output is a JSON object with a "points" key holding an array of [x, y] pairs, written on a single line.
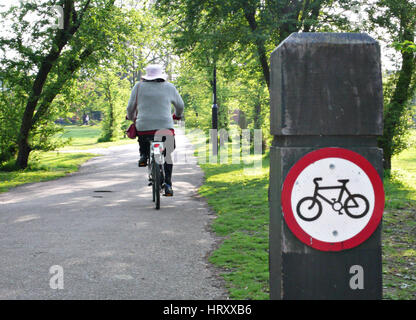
{"points": [[343, 180]]}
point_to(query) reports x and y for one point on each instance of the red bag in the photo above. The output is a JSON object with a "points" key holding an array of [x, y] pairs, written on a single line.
{"points": [[131, 131]]}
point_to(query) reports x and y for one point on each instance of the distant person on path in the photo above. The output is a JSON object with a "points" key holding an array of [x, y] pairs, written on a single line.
{"points": [[85, 119], [150, 107]]}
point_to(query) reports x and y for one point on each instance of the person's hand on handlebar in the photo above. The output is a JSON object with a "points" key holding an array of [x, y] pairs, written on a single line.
{"points": [[175, 117]]}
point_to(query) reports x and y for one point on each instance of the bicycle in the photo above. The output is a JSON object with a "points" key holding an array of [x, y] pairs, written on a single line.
{"points": [[155, 170], [353, 201]]}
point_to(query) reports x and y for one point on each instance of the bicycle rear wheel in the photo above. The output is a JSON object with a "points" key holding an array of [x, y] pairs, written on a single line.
{"points": [[150, 170], [309, 209], [153, 190], [156, 184], [356, 206]]}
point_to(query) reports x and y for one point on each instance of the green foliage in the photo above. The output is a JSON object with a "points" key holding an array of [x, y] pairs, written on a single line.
{"points": [[196, 92], [213, 30], [397, 123], [395, 20], [80, 97], [405, 46], [237, 37], [114, 93], [11, 109]]}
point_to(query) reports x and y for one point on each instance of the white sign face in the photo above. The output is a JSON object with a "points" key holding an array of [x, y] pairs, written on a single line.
{"points": [[332, 199]]}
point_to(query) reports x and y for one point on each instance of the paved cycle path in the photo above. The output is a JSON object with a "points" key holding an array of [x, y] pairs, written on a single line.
{"points": [[100, 226]]}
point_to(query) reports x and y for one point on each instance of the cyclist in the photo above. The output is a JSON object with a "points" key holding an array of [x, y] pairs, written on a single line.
{"points": [[150, 107]]}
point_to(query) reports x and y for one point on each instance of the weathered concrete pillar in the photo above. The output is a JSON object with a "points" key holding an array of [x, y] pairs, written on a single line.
{"points": [[326, 94]]}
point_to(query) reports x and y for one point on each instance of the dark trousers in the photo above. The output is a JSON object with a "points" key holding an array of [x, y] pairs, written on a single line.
{"points": [[170, 145]]}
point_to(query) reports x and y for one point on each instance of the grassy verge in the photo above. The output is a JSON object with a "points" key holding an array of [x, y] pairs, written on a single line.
{"points": [[241, 203], [399, 227], [85, 137], [48, 166], [240, 200], [243, 215]]}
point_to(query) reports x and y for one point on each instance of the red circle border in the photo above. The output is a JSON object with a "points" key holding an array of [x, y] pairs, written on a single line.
{"points": [[361, 162]]}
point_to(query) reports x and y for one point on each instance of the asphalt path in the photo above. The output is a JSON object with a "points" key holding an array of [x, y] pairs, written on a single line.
{"points": [[100, 228]]}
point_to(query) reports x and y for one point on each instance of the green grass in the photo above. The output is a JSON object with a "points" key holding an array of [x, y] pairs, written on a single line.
{"points": [[241, 204], [85, 137], [243, 217], [240, 200], [399, 227], [47, 166]]}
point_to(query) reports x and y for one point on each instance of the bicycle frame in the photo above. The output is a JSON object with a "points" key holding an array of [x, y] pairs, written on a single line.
{"points": [[342, 188], [336, 204]]}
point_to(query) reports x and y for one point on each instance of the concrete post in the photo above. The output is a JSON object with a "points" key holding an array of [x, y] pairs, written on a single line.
{"points": [[326, 91]]}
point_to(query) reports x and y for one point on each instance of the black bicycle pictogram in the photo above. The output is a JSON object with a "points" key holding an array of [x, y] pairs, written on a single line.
{"points": [[355, 205]]}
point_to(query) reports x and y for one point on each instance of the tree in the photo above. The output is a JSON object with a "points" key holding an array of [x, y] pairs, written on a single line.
{"points": [[46, 59], [195, 87], [114, 93], [146, 43], [82, 99], [237, 36], [218, 26], [11, 107], [397, 20]]}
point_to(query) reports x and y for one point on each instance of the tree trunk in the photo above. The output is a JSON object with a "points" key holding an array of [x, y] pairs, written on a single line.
{"points": [[387, 162], [261, 50], [257, 115], [258, 123], [111, 125], [24, 152], [26, 125], [397, 104], [61, 39]]}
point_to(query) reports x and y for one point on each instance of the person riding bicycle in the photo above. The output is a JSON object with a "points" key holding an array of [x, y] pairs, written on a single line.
{"points": [[150, 107]]}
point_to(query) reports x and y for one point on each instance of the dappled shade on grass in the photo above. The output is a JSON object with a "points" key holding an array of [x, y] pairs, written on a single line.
{"points": [[399, 228], [243, 218]]}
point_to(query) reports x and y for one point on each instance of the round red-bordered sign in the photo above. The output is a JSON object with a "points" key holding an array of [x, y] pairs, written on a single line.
{"points": [[302, 227]]}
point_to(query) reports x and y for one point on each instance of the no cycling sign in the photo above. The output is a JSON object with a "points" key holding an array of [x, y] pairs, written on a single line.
{"points": [[332, 199]]}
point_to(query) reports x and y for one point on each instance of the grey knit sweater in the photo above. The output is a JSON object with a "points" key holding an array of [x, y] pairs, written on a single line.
{"points": [[152, 101]]}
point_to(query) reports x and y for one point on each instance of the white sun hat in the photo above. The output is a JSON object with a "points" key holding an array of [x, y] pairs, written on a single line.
{"points": [[154, 71]]}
